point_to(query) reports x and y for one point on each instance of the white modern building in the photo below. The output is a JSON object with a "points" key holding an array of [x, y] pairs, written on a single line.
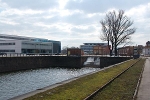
{"points": [[88, 47], [146, 49], [20, 44]]}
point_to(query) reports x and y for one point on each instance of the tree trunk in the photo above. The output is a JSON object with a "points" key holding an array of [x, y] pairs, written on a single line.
{"points": [[115, 44], [112, 48], [109, 47], [110, 53], [115, 50]]}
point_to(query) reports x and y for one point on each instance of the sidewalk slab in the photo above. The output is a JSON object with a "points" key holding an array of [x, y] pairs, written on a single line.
{"points": [[144, 88]]}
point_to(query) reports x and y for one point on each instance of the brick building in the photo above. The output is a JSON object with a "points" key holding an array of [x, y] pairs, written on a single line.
{"points": [[101, 50], [126, 51], [74, 52]]}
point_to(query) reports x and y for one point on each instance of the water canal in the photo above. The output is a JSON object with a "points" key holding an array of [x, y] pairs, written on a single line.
{"points": [[17, 83]]}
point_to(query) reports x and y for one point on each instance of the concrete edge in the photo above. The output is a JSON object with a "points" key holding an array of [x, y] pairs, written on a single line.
{"points": [[29, 94]]}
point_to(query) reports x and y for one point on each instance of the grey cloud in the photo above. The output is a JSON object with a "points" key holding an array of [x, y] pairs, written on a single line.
{"points": [[147, 15], [40, 18], [75, 36], [19, 28], [57, 33], [80, 19], [76, 42], [52, 20], [33, 4], [88, 30], [29, 21], [91, 6]]}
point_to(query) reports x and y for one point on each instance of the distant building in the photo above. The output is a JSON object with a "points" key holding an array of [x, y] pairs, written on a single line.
{"points": [[148, 44], [21, 44], [130, 50], [140, 49], [146, 49], [101, 50], [74, 52], [88, 47], [126, 51]]}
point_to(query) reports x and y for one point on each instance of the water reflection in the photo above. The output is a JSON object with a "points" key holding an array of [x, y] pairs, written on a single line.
{"points": [[17, 83]]}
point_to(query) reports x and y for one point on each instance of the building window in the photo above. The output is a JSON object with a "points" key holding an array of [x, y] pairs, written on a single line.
{"points": [[7, 50], [7, 43]]}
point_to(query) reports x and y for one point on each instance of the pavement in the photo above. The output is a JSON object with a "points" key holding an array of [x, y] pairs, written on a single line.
{"points": [[144, 87]]}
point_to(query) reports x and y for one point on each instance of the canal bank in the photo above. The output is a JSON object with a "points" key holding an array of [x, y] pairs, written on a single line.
{"points": [[57, 84]]}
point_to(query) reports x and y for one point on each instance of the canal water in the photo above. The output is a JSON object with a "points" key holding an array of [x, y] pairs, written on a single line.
{"points": [[18, 83]]}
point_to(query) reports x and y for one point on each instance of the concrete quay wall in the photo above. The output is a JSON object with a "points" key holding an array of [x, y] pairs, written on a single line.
{"points": [[107, 61], [10, 64]]}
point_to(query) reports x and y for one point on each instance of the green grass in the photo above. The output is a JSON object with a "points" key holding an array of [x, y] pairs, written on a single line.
{"points": [[122, 88], [81, 88]]}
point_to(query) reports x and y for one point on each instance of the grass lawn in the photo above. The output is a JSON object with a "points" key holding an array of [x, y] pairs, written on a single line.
{"points": [[122, 88], [81, 88]]}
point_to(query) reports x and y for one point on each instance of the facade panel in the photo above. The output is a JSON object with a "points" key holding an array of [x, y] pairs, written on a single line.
{"points": [[20, 44], [88, 47]]}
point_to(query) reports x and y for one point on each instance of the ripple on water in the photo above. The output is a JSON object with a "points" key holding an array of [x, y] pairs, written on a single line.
{"points": [[17, 83]]}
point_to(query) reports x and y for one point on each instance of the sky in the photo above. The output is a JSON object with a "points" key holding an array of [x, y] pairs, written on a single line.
{"points": [[73, 22]]}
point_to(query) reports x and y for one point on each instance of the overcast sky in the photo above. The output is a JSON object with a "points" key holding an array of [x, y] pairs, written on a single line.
{"points": [[73, 22]]}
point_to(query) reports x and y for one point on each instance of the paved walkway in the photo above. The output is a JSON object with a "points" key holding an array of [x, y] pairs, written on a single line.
{"points": [[144, 88]]}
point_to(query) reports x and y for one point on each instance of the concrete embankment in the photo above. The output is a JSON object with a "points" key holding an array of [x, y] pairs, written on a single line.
{"points": [[10, 64]]}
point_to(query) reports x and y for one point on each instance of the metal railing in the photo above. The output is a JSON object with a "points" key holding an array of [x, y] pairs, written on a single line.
{"points": [[28, 54], [48, 54]]}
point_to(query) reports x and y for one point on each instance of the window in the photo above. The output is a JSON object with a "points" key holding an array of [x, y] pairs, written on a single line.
{"points": [[7, 50], [7, 43]]}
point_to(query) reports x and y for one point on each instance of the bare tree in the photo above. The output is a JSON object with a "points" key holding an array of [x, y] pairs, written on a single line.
{"points": [[107, 34], [64, 50], [116, 29]]}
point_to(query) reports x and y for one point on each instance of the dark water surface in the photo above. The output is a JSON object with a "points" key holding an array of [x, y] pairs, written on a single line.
{"points": [[17, 83]]}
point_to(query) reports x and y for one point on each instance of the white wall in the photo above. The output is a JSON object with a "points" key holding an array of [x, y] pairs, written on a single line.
{"points": [[19, 44], [15, 47], [146, 51]]}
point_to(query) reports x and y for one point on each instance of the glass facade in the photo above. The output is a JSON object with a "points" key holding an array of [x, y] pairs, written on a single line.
{"points": [[29, 44], [88, 47]]}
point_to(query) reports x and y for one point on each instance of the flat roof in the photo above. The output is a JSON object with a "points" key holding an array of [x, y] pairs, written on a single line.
{"points": [[16, 37]]}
